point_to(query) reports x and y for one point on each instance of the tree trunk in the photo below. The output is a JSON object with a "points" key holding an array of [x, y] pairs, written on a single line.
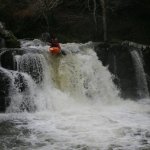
{"points": [[94, 15], [104, 19]]}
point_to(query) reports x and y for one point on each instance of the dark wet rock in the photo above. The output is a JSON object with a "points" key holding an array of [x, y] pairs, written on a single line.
{"points": [[118, 59], [102, 52], [147, 134], [2, 43], [7, 38], [7, 58], [145, 148], [143, 142], [146, 56], [4, 90]]}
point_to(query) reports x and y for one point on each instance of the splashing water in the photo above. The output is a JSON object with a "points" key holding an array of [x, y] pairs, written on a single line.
{"points": [[142, 88], [78, 107]]}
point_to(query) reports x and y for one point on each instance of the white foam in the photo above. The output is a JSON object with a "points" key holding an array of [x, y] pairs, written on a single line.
{"points": [[78, 107]]}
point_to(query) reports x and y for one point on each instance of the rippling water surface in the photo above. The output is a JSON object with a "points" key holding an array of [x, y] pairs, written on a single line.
{"points": [[77, 108]]}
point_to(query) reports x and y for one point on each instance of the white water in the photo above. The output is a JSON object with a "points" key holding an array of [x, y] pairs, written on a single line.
{"points": [[142, 88], [78, 107], [26, 97]]}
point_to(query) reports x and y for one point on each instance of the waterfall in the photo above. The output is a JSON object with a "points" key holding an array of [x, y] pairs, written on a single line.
{"points": [[81, 78], [142, 87], [62, 78], [35, 71], [21, 93], [78, 76], [69, 102], [20, 87], [32, 64]]}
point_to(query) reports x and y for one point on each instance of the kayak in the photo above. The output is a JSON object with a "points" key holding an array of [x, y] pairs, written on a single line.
{"points": [[54, 50]]}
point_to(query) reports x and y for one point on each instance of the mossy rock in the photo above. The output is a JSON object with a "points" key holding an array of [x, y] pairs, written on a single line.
{"points": [[9, 38], [11, 43]]}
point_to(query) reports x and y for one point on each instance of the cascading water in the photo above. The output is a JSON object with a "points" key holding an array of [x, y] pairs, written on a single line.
{"points": [[70, 75], [21, 93], [77, 105], [142, 88], [81, 78], [32, 64]]}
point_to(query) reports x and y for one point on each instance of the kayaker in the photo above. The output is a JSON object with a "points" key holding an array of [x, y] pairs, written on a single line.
{"points": [[54, 45]]}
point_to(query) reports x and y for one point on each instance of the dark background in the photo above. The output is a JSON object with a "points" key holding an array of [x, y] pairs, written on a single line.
{"points": [[72, 20]]}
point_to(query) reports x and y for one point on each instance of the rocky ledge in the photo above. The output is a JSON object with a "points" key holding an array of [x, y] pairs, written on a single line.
{"points": [[121, 62], [7, 38]]}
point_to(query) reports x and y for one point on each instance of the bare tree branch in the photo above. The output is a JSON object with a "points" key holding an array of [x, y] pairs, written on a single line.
{"points": [[43, 7], [94, 12]]}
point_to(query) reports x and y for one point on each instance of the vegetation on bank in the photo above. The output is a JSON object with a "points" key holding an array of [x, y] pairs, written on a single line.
{"points": [[7, 38], [78, 20]]}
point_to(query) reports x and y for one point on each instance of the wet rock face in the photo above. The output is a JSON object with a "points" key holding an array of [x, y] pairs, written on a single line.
{"points": [[12, 83], [146, 56], [2, 43], [7, 58], [4, 90], [7, 38], [29, 62], [11, 79], [119, 61]]}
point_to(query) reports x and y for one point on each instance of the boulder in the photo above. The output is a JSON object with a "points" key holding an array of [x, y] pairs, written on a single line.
{"points": [[4, 90], [7, 38], [7, 60], [119, 61], [2, 43]]}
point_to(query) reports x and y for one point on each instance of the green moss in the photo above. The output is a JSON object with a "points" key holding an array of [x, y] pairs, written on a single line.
{"points": [[10, 40], [11, 43]]}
